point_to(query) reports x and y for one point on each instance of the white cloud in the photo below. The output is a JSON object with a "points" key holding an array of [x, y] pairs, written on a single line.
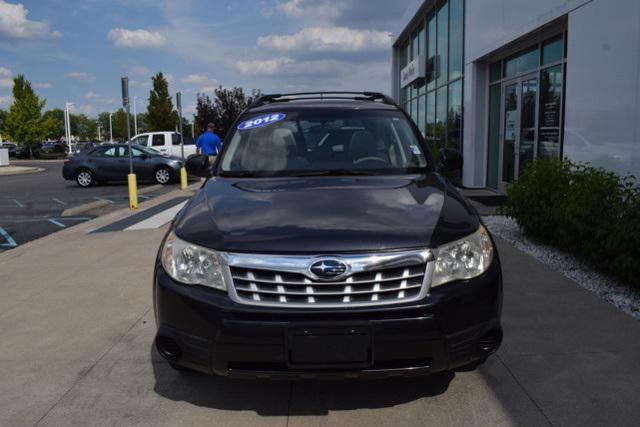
{"points": [[6, 83], [43, 85], [140, 70], [15, 24], [6, 100], [137, 83], [314, 8], [327, 39], [199, 79], [83, 77], [84, 109], [259, 67], [208, 89], [92, 95], [136, 38], [5, 72]]}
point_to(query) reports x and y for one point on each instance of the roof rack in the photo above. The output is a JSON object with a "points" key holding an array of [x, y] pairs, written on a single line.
{"points": [[335, 95]]}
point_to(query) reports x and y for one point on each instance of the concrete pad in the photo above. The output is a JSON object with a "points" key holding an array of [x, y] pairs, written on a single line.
{"points": [[131, 384], [582, 389], [487, 396], [547, 313]]}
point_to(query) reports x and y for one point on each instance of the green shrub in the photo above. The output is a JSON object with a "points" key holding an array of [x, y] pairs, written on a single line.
{"points": [[587, 211]]}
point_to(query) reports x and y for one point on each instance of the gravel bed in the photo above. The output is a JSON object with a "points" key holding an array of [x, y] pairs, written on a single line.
{"points": [[614, 291]]}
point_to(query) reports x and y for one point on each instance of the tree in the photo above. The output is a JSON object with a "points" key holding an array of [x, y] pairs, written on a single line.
{"points": [[119, 123], [225, 108], [56, 116], [83, 127], [160, 113], [3, 119], [25, 123]]}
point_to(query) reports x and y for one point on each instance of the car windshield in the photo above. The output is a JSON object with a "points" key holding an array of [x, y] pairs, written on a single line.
{"points": [[329, 142]]}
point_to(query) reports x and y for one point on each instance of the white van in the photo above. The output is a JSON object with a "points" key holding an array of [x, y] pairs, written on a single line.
{"points": [[165, 142]]}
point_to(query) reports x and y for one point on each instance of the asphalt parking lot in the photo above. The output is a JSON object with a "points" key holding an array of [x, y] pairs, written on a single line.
{"points": [[77, 349], [31, 204]]}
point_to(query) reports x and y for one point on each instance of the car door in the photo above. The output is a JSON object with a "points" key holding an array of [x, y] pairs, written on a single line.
{"points": [[158, 142], [104, 162], [143, 163]]}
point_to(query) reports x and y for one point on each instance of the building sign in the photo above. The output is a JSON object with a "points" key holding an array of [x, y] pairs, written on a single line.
{"points": [[415, 70]]}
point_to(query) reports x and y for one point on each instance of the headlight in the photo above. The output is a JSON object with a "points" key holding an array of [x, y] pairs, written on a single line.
{"points": [[463, 259], [191, 264]]}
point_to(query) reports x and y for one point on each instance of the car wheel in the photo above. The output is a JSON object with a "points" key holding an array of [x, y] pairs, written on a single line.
{"points": [[84, 178], [162, 175]]}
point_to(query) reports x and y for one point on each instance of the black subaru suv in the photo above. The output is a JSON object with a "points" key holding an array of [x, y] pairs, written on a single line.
{"points": [[326, 243]]}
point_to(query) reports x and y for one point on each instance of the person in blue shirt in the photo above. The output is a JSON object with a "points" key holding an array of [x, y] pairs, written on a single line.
{"points": [[209, 143]]}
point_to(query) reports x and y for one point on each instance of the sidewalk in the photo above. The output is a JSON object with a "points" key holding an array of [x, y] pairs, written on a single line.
{"points": [[18, 170], [76, 326]]}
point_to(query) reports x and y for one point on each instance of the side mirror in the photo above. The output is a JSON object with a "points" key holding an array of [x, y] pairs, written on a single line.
{"points": [[450, 160], [198, 165]]}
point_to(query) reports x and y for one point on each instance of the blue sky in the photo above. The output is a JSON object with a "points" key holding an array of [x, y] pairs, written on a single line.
{"points": [[77, 51]]}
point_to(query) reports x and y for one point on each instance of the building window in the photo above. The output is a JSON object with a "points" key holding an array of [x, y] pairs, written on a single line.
{"points": [[456, 43], [435, 104], [442, 55]]}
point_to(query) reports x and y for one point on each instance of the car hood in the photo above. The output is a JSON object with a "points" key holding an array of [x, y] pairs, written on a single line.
{"points": [[325, 214]]}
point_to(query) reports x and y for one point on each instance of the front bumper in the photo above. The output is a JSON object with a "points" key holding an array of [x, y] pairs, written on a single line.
{"points": [[202, 329]]}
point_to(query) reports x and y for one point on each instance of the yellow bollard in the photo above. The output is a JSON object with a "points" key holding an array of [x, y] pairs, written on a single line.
{"points": [[183, 178], [133, 191]]}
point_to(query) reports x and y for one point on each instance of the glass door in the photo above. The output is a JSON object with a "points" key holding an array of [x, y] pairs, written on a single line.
{"points": [[519, 118], [510, 133], [527, 142]]}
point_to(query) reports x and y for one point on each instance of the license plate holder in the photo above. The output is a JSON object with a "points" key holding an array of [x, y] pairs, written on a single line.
{"points": [[329, 347]]}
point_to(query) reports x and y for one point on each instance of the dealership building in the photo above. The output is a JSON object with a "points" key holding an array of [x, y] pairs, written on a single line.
{"points": [[507, 81]]}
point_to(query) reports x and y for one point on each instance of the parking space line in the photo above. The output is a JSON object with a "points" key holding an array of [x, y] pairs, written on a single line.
{"points": [[9, 242], [20, 205], [142, 196], [59, 201], [100, 198], [58, 223]]}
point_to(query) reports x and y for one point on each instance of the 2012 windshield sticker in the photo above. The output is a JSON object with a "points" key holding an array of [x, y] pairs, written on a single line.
{"points": [[260, 121]]}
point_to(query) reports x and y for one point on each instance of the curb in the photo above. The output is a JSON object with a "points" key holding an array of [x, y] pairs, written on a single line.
{"points": [[150, 189], [84, 208], [22, 172]]}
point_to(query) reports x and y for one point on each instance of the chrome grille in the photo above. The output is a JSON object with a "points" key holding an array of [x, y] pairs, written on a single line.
{"points": [[372, 287]]}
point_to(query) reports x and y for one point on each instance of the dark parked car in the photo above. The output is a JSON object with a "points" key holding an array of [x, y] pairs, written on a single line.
{"points": [[111, 163], [24, 151], [83, 146], [51, 150], [326, 243], [13, 148]]}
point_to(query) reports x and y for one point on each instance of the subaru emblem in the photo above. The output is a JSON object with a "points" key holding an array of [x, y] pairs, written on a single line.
{"points": [[328, 269]]}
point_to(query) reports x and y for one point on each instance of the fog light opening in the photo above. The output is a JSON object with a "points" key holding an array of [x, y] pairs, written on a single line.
{"points": [[168, 347], [490, 341]]}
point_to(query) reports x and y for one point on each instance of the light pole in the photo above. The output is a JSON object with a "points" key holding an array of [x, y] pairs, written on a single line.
{"points": [[99, 137], [135, 117], [193, 135], [183, 171], [110, 128], [133, 184], [67, 124]]}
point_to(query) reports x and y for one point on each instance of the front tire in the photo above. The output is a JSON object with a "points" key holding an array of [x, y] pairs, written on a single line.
{"points": [[85, 178], [162, 175]]}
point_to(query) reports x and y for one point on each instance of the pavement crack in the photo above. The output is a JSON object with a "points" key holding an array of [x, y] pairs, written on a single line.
{"points": [[86, 371], [524, 390]]}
